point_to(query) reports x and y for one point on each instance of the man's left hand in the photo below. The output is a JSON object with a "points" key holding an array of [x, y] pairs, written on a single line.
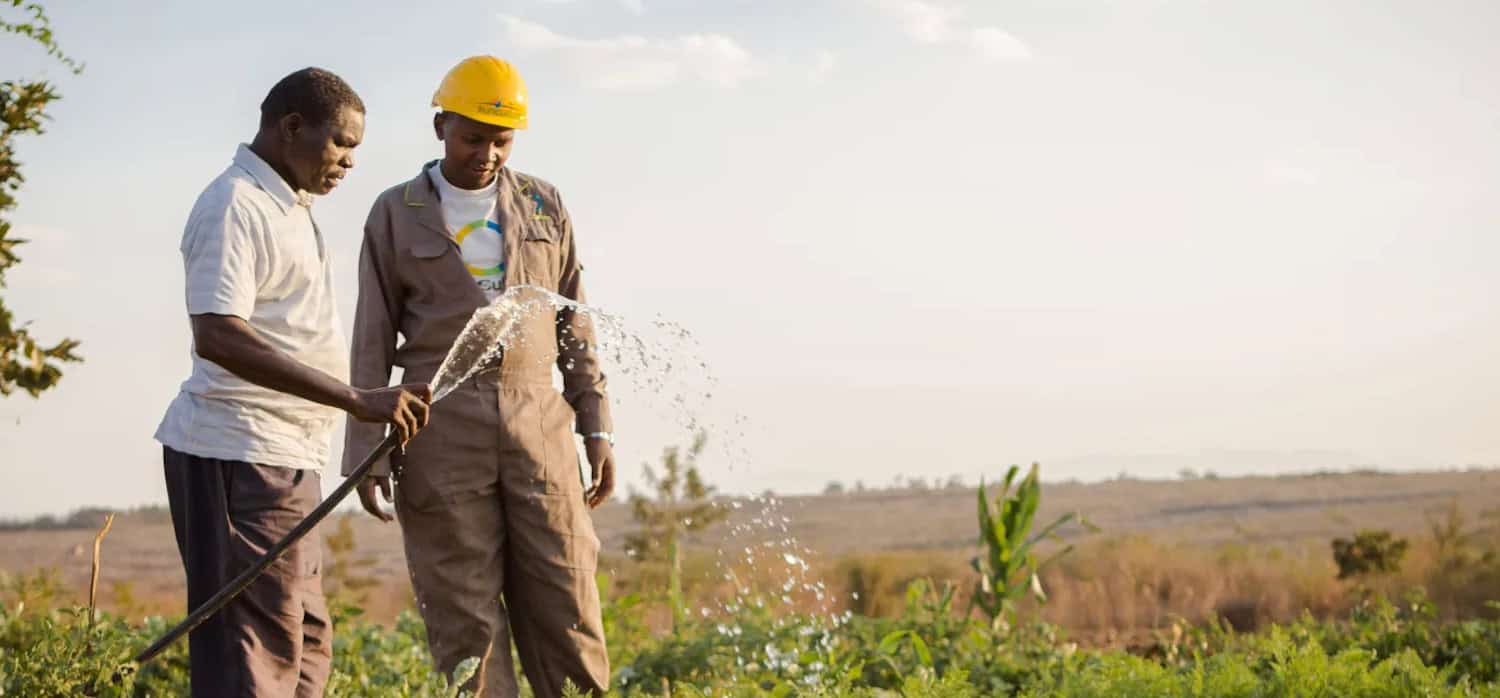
{"points": [[602, 464]]}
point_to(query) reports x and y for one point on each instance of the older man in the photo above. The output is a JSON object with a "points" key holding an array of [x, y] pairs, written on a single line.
{"points": [[246, 437]]}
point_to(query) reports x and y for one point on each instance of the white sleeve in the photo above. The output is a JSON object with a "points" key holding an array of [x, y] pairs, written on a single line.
{"points": [[220, 253]]}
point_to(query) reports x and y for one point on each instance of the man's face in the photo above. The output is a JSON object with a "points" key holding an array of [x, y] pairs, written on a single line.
{"points": [[473, 152], [320, 156]]}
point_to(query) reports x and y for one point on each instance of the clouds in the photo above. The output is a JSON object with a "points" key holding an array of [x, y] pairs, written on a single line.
{"points": [[635, 7], [632, 62], [997, 45], [934, 24], [924, 21], [636, 62]]}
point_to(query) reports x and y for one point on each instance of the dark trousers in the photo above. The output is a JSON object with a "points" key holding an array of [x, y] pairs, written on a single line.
{"points": [[275, 638]]}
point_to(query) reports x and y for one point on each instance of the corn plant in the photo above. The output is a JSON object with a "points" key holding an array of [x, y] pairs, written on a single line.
{"points": [[1008, 568]]}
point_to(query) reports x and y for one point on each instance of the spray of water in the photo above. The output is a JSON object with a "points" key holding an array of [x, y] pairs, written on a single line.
{"points": [[662, 362], [489, 331]]}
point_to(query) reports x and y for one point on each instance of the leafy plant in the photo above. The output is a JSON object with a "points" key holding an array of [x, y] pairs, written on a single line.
{"points": [[1384, 649], [1369, 552], [1008, 569], [24, 363], [756, 647], [371, 662]]}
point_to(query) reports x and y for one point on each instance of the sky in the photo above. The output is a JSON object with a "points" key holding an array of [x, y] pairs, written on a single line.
{"points": [[912, 238]]}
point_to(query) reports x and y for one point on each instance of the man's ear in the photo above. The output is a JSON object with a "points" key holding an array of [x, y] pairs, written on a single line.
{"points": [[290, 127], [437, 124]]}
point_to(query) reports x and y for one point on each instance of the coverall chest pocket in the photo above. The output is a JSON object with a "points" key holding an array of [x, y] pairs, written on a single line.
{"points": [[434, 273], [540, 257]]}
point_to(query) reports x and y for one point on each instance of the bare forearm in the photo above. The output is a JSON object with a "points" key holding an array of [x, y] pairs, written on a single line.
{"points": [[231, 342]]}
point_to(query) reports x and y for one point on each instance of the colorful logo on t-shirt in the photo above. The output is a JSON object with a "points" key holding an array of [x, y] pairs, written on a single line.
{"points": [[497, 244]]}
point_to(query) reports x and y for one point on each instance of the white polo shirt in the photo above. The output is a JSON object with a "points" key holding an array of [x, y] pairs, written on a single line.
{"points": [[251, 250]]}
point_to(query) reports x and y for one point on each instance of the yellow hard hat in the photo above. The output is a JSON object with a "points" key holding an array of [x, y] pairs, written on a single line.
{"points": [[485, 89]]}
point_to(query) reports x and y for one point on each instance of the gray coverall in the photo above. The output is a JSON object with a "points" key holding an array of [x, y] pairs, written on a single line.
{"points": [[489, 495]]}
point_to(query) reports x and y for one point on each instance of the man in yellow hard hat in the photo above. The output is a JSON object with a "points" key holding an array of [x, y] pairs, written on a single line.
{"points": [[490, 497]]}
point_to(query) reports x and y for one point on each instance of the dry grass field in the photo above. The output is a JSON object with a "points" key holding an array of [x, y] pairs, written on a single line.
{"points": [[1248, 549]]}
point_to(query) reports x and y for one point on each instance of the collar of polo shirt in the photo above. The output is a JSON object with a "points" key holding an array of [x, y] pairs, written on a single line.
{"points": [[264, 175]]}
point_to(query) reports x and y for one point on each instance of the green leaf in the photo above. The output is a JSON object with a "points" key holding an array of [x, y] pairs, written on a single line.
{"points": [[920, 646], [1010, 476], [1026, 547], [889, 642], [986, 524]]}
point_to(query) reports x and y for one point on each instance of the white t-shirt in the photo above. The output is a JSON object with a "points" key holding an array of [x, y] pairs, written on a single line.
{"points": [[251, 250], [471, 217]]}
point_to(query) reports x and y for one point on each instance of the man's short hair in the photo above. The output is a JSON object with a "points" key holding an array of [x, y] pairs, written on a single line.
{"points": [[314, 93]]}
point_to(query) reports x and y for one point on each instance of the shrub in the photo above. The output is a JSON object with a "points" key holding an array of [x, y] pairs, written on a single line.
{"points": [[1369, 552]]}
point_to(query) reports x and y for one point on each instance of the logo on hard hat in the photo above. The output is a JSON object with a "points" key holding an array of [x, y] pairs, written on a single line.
{"points": [[496, 108]]}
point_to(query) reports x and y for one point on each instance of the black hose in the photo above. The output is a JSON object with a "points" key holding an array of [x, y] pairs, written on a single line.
{"points": [[238, 584]]}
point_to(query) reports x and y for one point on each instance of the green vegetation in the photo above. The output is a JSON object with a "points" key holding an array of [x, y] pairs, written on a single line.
{"points": [[1369, 552], [927, 650], [24, 363], [1008, 569], [932, 645]]}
